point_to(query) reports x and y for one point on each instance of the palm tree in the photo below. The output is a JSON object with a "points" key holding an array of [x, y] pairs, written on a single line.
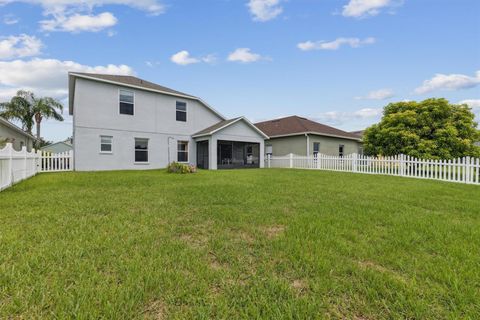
{"points": [[28, 109], [46, 108], [19, 108]]}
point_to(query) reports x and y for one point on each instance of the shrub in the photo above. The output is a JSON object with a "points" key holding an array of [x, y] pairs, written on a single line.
{"points": [[176, 167]]}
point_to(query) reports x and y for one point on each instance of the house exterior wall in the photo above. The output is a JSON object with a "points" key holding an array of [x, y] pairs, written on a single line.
{"points": [[239, 131], [298, 145], [8, 134], [96, 113]]}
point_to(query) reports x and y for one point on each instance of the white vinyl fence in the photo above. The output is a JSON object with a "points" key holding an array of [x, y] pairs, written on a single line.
{"points": [[464, 170], [16, 166]]}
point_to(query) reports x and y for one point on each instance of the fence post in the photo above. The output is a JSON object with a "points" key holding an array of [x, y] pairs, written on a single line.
{"points": [[291, 160], [354, 162], [402, 165], [467, 170], [10, 164], [24, 150], [38, 162]]}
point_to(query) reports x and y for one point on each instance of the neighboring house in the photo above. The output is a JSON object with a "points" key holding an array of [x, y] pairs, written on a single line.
{"points": [[123, 122], [15, 135], [301, 136], [58, 147]]}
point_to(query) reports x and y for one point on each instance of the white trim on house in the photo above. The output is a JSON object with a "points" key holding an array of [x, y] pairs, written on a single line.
{"points": [[74, 74], [229, 124], [315, 133]]}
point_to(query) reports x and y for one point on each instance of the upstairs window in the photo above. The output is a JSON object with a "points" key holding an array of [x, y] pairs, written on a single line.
{"points": [[182, 151], [126, 102], [181, 111], [316, 148], [141, 150], [106, 144], [340, 150]]}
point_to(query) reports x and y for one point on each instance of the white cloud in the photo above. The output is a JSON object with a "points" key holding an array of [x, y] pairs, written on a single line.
{"points": [[77, 15], [154, 7], [46, 76], [381, 94], [362, 8], [79, 23], [472, 103], [335, 44], [449, 82], [10, 19], [244, 55], [152, 64], [210, 58], [341, 117], [264, 10], [183, 58], [19, 46]]}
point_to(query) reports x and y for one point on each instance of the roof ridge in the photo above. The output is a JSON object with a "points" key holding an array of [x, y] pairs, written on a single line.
{"points": [[299, 119]]}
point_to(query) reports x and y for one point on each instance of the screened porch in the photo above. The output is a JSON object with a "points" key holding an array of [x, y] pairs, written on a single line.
{"points": [[235, 155]]}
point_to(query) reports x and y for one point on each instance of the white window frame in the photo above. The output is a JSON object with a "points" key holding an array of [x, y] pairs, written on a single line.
{"points": [[176, 110], [133, 104], [111, 144], [186, 150], [135, 150]]}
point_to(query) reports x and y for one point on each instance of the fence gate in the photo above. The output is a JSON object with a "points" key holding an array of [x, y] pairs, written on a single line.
{"points": [[55, 162]]}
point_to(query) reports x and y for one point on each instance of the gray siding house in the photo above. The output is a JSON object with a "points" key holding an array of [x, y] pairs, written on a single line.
{"points": [[305, 137], [126, 123], [15, 135], [58, 147]]}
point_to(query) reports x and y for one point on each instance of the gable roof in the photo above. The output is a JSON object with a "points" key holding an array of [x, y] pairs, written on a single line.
{"points": [[226, 123], [295, 125], [10, 125], [130, 82], [54, 144]]}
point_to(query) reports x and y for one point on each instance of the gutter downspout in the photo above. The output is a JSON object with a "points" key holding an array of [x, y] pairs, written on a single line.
{"points": [[308, 144]]}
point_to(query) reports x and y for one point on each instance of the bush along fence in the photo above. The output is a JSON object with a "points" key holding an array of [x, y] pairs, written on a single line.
{"points": [[464, 170], [16, 166]]}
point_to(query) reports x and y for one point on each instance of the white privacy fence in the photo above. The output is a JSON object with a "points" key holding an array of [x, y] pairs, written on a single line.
{"points": [[16, 166], [464, 170]]}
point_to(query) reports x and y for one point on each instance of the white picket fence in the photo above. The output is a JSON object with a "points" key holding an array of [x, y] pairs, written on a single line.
{"points": [[464, 170], [16, 166]]}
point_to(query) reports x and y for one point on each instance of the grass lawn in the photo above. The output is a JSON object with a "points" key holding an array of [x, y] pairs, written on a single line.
{"points": [[267, 244]]}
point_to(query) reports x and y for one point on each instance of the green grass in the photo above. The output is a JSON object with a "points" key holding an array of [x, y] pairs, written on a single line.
{"points": [[267, 244]]}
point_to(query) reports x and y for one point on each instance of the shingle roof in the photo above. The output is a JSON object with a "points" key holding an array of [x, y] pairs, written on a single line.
{"points": [[298, 125], [358, 133], [134, 81]]}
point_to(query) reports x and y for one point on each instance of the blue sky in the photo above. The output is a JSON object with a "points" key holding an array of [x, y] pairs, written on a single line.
{"points": [[335, 61]]}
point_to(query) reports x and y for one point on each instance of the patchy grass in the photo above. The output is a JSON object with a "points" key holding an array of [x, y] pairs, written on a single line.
{"points": [[239, 244]]}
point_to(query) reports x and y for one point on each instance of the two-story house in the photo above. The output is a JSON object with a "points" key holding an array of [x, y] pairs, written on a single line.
{"points": [[123, 122]]}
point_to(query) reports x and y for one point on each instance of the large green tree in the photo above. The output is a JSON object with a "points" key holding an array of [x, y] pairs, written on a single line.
{"points": [[433, 129], [29, 110]]}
